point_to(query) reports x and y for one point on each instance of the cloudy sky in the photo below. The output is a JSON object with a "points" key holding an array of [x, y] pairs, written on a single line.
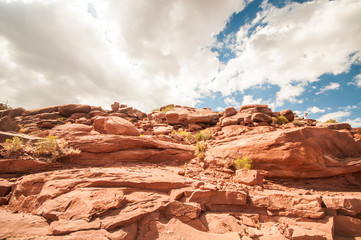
{"points": [[299, 55]]}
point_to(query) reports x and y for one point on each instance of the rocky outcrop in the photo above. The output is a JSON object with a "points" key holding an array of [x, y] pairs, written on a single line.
{"points": [[115, 125], [299, 153], [8, 125], [68, 109]]}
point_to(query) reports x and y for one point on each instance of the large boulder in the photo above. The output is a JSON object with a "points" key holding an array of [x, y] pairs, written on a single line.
{"points": [[35, 111], [68, 131], [288, 114], [256, 108], [8, 125], [306, 152], [68, 109], [229, 111], [335, 126], [115, 125]]}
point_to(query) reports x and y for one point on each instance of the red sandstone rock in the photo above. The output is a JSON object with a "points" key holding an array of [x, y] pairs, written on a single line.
{"points": [[158, 130], [288, 204], [68, 109], [115, 125], [249, 177], [49, 109], [230, 111], [261, 117], [347, 226], [347, 205], [335, 126], [216, 197], [255, 108], [300, 153], [8, 125], [288, 114], [69, 131]]}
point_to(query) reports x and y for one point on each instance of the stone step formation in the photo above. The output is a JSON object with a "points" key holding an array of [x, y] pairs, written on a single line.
{"points": [[179, 173]]}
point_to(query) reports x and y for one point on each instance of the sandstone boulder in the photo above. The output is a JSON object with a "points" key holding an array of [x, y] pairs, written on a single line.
{"points": [[49, 109], [255, 108], [335, 126], [347, 205], [261, 117], [288, 114], [248, 177], [229, 111], [8, 125], [115, 125], [12, 112], [115, 106], [236, 119], [347, 226], [172, 117], [68, 109], [305, 152], [68, 131], [158, 130]]}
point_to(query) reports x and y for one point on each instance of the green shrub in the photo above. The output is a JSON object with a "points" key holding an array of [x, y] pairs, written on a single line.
{"points": [[280, 120], [13, 146], [167, 108], [242, 163], [201, 149], [51, 146], [331, 121], [298, 123], [203, 135]]}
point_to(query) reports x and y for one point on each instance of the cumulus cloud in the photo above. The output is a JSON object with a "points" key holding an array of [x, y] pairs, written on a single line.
{"points": [[144, 54], [315, 109], [334, 115], [248, 99], [231, 102], [329, 87], [291, 47], [357, 80], [355, 123]]}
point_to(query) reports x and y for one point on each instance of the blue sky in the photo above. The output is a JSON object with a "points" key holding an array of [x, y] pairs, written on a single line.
{"points": [[299, 55]]}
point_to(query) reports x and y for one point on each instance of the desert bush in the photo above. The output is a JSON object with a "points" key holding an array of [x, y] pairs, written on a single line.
{"points": [[242, 163], [4, 106], [167, 108], [298, 123], [280, 120], [203, 135], [185, 135], [51, 146], [13, 146], [331, 121], [201, 148]]}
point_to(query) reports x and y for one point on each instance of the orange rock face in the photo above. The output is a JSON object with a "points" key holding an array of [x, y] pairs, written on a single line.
{"points": [[298, 152], [115, 125]]}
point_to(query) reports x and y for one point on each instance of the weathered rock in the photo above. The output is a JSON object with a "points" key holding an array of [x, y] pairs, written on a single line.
{"points": [[53, 116], [47, 123], [115, 106], [288, 204], [334, 126], [12, 166], [347, 205], [288, 114], [69, 131], [49, 109], [230, 111], [183, 211], [261, 117], [216, 197], [306, 152], [172, 117], [255, 108], [236, 119], [220, 223], [5, 187], [8, 125], [12, 112], [347, 226], [22, 226], [25, 137], [115, 125], [141, 115], [68, 109], [162, 130], [78, 115], [248, 177], [63, 227]]}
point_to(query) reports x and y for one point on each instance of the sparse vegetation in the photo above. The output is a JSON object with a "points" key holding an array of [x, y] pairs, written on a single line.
{"points": [[238, 163], [201, 148], [331, 121], [61, 119], [280, 120], [13, 146], [298, 123], [203, 135], [52, 146], [4, 106], [167, 108]]}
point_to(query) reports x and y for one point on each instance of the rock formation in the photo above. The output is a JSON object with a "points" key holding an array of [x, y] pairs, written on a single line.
{"points": [[174, 174]]}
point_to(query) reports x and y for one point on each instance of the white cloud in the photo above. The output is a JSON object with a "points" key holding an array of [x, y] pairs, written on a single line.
{"points": [[355, 123], [335, 115], [144, 53], [331, 86], [248, 99], [293, 46], [357, 80], [231, 101], [348, 108], [315, 109]]}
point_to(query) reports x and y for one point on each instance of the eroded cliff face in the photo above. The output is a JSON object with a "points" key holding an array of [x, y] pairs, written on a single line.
{"points": [[142, 176]]}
